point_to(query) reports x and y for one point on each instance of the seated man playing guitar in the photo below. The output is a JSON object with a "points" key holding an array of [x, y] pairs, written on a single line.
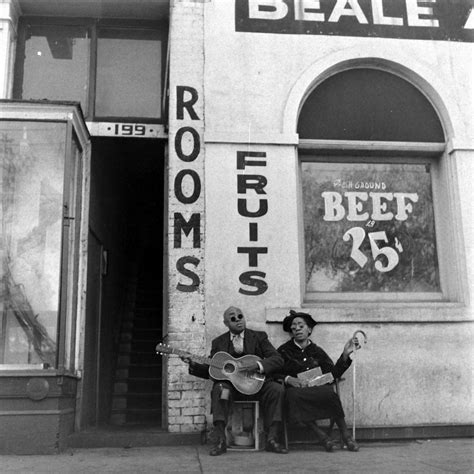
{"points": [[239, 342]]}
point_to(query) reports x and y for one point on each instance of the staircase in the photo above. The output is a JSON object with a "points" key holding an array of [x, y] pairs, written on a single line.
{"points": [[138, 378]]}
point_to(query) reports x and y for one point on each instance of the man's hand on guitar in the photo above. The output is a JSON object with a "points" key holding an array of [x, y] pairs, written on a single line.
{"points": [[186, 358], [248, 367]]}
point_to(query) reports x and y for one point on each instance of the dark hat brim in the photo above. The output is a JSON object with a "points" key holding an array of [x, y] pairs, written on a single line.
{"points": [[293, 314]]}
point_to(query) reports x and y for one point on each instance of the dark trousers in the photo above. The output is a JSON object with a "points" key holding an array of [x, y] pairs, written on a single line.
{"points": [[270, 396]]}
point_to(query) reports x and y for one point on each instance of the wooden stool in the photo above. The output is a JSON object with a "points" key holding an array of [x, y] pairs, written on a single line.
{"points": [[244, 431]]}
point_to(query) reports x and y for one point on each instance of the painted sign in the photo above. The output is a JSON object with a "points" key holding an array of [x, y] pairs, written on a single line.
{"points": [[369, 227], [187, 188], [443, 20], [250, 186]]}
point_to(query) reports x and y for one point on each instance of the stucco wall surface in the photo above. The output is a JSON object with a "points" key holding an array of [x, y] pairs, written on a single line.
{"points": [[406, 375], [410, 372], [254, 83]]}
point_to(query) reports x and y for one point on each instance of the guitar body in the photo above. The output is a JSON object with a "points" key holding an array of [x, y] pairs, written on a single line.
{"points": [[225, 367]]}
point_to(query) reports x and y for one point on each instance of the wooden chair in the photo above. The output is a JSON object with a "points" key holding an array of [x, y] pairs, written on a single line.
{"points": [[329, 430]]}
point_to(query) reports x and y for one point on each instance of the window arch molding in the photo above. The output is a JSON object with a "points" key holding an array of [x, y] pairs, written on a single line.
{"points": [[368, 105], [428, 82]]}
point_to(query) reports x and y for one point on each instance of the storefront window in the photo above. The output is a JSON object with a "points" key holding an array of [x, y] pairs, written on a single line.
{"points": [[128, 73], [114, 68], [369, 227], [56, 63], [31, 191]]}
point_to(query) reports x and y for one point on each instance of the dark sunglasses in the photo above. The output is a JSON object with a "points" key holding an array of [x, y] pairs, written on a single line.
{"points": [[235, 318]]}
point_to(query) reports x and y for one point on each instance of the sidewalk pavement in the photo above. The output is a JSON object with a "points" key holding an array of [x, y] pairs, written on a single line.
{"points": [[424, 456]]}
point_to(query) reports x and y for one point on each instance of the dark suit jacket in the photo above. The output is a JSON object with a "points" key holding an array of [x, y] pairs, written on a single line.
{"points": [[255, 343]]}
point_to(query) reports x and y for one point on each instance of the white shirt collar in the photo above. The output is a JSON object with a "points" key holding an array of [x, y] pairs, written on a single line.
{"points": [[309, 343]]}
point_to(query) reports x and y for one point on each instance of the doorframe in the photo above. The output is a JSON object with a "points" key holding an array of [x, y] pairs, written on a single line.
{"points": [[81, 318]]}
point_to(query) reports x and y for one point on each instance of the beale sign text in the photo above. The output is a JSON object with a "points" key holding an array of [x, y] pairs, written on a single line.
{"points": [[442, 20]]}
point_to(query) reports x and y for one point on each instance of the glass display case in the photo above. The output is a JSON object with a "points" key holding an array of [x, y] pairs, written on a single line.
{"points": [[42, 153]]}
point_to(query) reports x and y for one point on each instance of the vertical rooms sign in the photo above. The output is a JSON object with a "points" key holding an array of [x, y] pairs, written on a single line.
{"points": [[448, 20], [187, 188]]}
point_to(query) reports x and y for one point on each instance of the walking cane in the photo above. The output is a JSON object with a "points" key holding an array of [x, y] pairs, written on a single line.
{"points": [[358, 346]]}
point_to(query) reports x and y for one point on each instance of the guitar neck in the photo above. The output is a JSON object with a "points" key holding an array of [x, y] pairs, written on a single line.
{"points": [[194, 357]]}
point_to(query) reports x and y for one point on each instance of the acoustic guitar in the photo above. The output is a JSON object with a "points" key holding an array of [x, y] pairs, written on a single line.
{"points": [[222, 366]]}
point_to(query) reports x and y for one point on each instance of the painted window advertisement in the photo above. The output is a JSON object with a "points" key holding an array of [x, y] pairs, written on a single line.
{"points": [[369, 227]]}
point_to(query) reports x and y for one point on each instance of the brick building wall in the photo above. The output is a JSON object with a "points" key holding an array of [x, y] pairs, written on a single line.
{"points": [[186, 324]]}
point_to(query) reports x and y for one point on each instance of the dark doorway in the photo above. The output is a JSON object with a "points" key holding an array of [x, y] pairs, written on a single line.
{"points": [[123, 384]]}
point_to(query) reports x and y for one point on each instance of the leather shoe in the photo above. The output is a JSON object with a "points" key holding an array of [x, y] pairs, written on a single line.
{"points": [[351, 444], [328, 445], [219, 448], [274, 447]]}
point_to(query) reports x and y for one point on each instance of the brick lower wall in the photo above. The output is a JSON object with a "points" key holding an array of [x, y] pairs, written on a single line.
{"points": [[187, 395]]}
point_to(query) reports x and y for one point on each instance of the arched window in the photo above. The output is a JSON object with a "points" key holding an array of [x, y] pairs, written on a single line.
{"points": [[368, 104], [370, 148]]}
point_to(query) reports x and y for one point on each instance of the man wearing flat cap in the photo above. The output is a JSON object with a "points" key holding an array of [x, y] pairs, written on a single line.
{"points": [[237, 342]]}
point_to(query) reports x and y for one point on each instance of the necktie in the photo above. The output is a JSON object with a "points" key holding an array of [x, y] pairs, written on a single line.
{"points": [[238, 342]]}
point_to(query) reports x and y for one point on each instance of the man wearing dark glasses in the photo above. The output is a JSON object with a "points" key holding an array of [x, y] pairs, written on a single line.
{"points": [[237, 342]]}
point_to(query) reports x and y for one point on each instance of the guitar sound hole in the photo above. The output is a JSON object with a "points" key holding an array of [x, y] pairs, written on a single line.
{"points": [[229, 368]]}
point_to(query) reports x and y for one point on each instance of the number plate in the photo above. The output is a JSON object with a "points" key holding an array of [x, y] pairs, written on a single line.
{"points": [[120, 129]]}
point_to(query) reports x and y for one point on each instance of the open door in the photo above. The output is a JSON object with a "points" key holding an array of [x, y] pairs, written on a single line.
{"points": [[122, 373]]}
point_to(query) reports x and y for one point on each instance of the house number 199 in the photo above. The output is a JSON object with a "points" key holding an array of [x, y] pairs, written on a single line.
{"points": [[124, 129]]}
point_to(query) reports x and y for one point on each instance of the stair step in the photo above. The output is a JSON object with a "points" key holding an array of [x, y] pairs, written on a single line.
{"points": [[138, 411], [149, 370], [144, 417], [128, 325], [144, 385], [143, 411], [147, 333], [125, 336], [150, 281], [136, 415], [144, 322], [137, 400], [125, 347], [156, 363], [152, 297], [140, 328], [142, 395], [120, 388], [119, 402], [143, 345], [144, 400], [146, 310], [123, 360], [121, 373], [118, 419], [138, 358]]}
